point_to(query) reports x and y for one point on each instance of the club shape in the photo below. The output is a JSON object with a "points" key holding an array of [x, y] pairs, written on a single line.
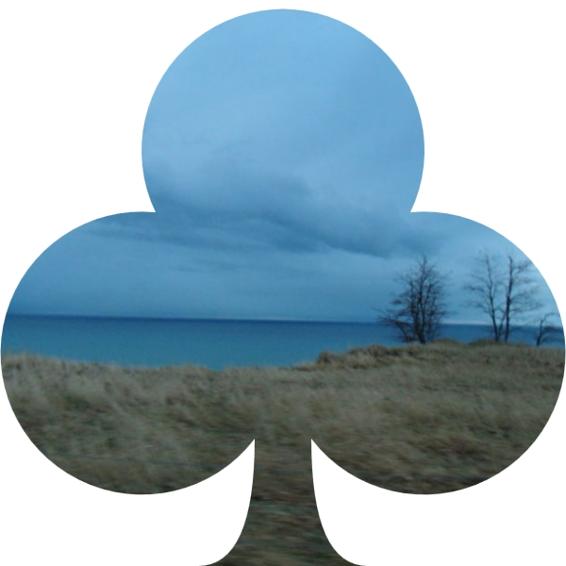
{"points": [[282, 152]]}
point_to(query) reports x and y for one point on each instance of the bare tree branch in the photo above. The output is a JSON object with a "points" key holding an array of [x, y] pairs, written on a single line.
{"points": [[503, 291], [417, 311], [545, 329]]}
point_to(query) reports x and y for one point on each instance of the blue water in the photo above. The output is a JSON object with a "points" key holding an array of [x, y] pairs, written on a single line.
{"points": [[212, 343]]}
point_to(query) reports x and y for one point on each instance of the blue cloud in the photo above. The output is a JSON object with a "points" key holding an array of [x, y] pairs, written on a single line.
{"points": [[282, 151]]}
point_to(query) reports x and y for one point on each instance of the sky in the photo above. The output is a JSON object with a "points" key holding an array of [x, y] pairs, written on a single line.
{"points": [[282, 152]]}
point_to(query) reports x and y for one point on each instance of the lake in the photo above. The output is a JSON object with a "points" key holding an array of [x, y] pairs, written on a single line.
{"points": [[213, 343]]}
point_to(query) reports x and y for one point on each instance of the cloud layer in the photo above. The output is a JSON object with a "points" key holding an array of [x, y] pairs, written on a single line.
{"points": [[282, 151]]}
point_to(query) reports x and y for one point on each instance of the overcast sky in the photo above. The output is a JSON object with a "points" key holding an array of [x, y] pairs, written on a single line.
{"points": [[282, 152]]}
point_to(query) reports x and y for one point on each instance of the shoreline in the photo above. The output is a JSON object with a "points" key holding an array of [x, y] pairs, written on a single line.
{"points": [[443, 342]]}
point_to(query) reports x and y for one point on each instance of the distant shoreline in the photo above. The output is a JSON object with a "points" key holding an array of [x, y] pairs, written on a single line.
{"points": [[222, 320]]}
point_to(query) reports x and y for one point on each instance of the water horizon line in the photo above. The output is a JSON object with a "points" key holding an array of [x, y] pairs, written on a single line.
{"points": [[219, 319]]}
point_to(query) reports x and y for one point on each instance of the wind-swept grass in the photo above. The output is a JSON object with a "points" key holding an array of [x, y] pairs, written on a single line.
{"points": [[415, 418], [411, 418]]}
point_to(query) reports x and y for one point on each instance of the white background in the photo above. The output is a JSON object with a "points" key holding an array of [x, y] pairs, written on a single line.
{"points": [[76, 80]]}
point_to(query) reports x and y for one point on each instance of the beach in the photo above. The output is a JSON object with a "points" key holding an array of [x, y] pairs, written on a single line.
{"points": [[418, 419]]}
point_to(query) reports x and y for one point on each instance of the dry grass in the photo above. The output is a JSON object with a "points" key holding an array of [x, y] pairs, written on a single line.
{"points": [[417, 419], [441, 417]]}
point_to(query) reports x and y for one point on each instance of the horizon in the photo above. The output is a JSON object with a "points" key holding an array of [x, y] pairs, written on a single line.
{"points": [[447, 322]]}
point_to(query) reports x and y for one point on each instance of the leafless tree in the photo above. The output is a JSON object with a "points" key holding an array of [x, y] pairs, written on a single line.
{"points": [[417, 311], [504, 290], [545, 328]]}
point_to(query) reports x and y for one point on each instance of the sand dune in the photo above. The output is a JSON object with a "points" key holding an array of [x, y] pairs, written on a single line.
{"points": [[417, 419]]}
